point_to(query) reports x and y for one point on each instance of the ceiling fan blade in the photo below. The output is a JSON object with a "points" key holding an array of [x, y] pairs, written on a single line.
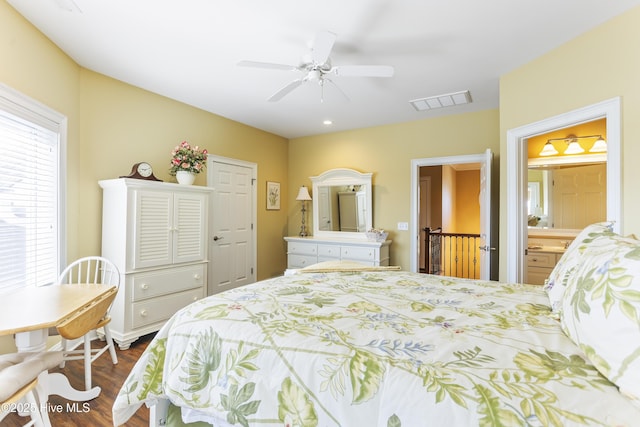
{"points": [[337, 87], [322, 46], [363, 70], [285, 90], [268, 65]]}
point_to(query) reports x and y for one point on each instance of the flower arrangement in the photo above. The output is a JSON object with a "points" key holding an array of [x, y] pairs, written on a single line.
{"points": [[187, 158]]}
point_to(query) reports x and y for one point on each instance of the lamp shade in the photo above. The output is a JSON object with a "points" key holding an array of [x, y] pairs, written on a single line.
{"points": [[303, 194], [548, 150], [574, 148], [600, 146]]}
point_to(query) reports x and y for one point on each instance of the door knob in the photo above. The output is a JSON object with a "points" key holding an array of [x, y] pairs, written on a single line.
{"points": [[216, 238]]}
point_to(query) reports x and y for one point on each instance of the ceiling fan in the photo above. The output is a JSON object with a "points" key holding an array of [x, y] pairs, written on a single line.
{"points": [[317, 67]]}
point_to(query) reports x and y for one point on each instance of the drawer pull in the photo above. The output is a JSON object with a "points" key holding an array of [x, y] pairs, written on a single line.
{"points": [[143, 313], [144, 286], [195, 298], [196, 276]]}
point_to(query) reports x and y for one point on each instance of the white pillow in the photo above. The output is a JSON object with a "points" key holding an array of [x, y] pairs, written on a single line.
{"points": [[556, 284], [601, 308]]}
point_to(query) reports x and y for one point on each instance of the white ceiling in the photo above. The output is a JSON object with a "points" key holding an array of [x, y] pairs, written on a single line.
{"points": [[188, 50]]}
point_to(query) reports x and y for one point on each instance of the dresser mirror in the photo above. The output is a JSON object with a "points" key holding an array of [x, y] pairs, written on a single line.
{"points": [[342, 204]]}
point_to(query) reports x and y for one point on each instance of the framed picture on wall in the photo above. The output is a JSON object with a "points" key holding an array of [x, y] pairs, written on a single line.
{"points": [[273, 195]]}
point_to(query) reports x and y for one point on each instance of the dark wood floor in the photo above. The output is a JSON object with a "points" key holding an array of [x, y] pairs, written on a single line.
{"points": [[106, 375]]}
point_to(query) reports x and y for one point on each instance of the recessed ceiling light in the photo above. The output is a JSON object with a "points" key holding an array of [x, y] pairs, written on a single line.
{"points": [[440, 101], [327, 122]]}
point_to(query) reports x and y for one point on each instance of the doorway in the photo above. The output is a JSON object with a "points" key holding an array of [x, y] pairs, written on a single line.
{"points": [[517, 188], [232, 223], [484, 164]]}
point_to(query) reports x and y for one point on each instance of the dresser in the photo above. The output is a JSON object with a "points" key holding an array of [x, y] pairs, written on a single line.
{"points": [[305, 251], [155, 233]]}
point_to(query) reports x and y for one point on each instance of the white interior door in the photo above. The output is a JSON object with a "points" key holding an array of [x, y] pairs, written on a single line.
{"points": [[232, 246], [485, 216], [325, 222]]}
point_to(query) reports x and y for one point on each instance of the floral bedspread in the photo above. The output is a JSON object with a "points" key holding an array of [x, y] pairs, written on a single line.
{"points": [[385, 349]]}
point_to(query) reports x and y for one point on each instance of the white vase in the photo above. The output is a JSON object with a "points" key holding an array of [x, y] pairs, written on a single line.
{"points": [[185, 177]]}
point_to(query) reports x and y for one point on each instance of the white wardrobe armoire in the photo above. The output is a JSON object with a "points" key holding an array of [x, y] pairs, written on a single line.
{"points": [[156, 234]]}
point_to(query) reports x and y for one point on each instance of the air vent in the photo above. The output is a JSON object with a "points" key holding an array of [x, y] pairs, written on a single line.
{"points": [[440, 101]]}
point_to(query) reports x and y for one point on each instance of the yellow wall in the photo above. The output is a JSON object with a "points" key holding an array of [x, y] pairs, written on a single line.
{"points": [[559, 81], [112, 125], [387, 152], [122, 125], [468, 202]]}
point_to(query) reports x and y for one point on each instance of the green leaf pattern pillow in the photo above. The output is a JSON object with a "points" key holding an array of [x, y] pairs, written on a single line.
{"points": [[601, 308], [556, 284]]}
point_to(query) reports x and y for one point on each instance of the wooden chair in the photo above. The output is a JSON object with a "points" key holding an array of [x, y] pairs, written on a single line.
{"points": [[18, 380], [89, 270]]}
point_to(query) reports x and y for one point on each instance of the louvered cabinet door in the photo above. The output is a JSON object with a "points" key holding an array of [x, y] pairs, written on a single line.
{"points": [[154, 230], [190, 227]]}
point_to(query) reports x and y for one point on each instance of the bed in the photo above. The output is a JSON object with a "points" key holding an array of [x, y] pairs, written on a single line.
{"points": [[374, 347]]}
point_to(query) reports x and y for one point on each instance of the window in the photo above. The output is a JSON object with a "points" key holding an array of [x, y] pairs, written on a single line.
{"points": [[31, 233]]}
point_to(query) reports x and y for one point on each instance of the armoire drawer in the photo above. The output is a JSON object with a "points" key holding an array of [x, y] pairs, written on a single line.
{"points": [[162, 308], [357, 253], [166, 281]]}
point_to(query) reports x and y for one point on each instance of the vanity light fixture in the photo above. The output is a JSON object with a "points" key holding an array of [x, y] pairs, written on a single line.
{"points": [[573, 146], [303, 196]]}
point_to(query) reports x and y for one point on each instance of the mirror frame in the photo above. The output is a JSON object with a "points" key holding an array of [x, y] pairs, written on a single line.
{"points": [[338, 177]]}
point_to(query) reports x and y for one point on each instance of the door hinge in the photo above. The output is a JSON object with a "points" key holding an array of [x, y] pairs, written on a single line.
{"points": [[252, 271], [253, 181], [252, 226]]}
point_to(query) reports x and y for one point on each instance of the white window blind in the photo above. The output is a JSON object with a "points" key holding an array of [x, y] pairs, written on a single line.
{"points": [[29, 197]]}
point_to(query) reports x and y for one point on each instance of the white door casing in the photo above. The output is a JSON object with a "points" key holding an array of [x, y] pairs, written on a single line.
{"points": [[424, 212], [517, 175], [232, 236], [485, 216], [484, 160]]}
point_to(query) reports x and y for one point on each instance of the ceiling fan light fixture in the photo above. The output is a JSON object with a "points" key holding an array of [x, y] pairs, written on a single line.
{"points": [[440, 101]]}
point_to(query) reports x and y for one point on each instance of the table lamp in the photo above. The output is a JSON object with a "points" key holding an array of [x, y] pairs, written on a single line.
{"points": [[303, 196]]}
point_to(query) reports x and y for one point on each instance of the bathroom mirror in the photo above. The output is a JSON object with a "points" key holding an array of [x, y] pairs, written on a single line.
{"points": [[567, 193], [342, 205]]}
